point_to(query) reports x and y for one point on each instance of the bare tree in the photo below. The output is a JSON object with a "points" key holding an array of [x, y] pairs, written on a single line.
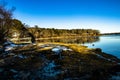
{"points": [[5, 22]]}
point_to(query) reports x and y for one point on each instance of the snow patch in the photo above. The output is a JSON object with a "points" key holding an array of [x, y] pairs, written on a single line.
{"points": [[59, 49], [49, 69], [21, 56], [8, 48], [9, 45], [13, 70]]}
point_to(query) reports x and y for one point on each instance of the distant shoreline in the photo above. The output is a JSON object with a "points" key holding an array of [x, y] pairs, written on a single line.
{"points": [[110, 33]]}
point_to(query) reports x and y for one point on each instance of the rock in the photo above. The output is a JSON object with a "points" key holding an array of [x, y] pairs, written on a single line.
{"points": [[22, 75], [1, 49], [2, 61], [98, 50]]}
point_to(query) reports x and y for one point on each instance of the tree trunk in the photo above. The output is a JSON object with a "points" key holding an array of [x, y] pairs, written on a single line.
{"points": [[32, 38]]}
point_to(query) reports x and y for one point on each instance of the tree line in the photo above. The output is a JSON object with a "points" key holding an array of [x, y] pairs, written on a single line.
{"points": [[51, 32]]}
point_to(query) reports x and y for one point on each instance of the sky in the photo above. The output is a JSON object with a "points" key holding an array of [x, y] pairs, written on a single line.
{"points": [[103, 15]]}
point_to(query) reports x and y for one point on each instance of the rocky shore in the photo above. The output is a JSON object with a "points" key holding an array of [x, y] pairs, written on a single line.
{"points": [[57, 62]]}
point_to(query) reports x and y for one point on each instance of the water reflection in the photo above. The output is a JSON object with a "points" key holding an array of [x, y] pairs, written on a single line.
{"points": [[77, 40], [108, 43]]}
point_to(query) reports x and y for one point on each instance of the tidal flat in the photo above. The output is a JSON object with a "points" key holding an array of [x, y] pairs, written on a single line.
{"points": [[57, 61]]}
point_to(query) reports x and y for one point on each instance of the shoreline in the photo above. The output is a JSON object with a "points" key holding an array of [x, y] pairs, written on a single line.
{"points": [[58, 61]]}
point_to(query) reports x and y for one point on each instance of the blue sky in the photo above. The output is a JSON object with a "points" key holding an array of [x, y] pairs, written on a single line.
{"points": [[103, 15]]}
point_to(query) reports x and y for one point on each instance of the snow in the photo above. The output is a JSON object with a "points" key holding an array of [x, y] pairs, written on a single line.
{"points": [[8, 42], [20, 56], [59, 49], [49, 70], [13, 70], [8, 48], [9, 45]]}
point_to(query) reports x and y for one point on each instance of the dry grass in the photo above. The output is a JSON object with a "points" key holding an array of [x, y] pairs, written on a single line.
{"points": [[75, 47]]}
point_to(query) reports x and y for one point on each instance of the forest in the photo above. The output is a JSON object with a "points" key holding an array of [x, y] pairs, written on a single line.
{"points": [[51, 32], [22, 30]]}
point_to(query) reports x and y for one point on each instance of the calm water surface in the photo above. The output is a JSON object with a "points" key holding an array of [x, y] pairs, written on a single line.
{"points": [[109, 44]]}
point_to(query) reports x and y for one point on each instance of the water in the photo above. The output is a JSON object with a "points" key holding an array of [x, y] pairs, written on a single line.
{"points": [[109, 44]]}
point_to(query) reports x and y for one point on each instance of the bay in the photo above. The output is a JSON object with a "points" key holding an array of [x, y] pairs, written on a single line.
{"points": [[109, 44]]}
